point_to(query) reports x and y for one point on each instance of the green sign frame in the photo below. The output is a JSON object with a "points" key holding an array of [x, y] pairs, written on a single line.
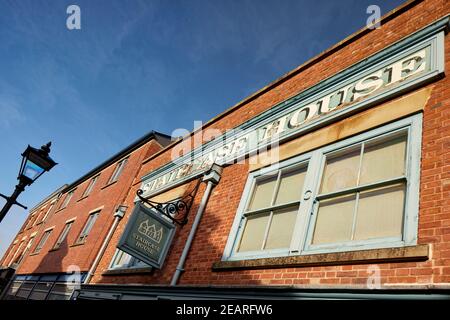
{"points": [[147, 236]]}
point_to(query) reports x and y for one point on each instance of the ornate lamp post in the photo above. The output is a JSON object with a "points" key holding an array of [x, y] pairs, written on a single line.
{"points": [[34, 163]]}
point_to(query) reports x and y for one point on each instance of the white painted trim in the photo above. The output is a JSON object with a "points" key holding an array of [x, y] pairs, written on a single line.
{"points": [[96, 209]]}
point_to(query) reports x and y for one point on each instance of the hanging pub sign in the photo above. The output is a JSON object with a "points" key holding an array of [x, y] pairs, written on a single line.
{"points": [[147, 236]]}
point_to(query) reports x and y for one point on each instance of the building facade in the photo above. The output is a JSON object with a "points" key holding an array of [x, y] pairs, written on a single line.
{"points": [[64, 234], [334, 177], [37, 218]]}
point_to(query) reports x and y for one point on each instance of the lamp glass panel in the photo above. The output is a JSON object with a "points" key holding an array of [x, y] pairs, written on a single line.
{"points": [[32, 170]]}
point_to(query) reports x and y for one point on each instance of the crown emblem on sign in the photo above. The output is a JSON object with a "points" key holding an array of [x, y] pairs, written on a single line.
{"points": [[150, 231]]}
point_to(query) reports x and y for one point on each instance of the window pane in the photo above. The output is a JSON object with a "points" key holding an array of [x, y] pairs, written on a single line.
{"points": [[61, 291], [383, 160], [90, 224], [67, 199], [341, 171], [87, 228], [121, 259], [43, 240], [47, 212], [90, 186], [262, 194], [334, 220], [118, 170], [253, 235], [14, 288], [380, 213], [291, 185], [40, 290], [25, 289], [281, 228], [64, 234]]}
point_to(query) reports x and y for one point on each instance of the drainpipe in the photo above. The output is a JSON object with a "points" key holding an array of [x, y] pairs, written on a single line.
{"points": [[212, 178], [118, 215]]}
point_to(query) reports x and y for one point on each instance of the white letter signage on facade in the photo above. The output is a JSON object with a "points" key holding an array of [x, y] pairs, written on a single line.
{"points": [[382, 76]]}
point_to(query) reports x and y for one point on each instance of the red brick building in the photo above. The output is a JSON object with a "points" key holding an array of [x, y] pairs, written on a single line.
{"points": [[65, 232], [333, 177], [38, 217]]}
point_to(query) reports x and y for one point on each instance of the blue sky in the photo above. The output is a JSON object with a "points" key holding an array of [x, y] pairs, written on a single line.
{"points": [[137, 66]]}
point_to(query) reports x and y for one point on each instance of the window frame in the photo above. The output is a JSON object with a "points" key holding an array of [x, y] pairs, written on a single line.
{"points": [[67, 199], [26, 249], [83, 235], [301, 243], [21, 243], [90, 186], [412, 126], [134, 263], [37, 249], [118, 169], [31, 221], [38, 217], [68, 225], [291, 164], [50, 207]]}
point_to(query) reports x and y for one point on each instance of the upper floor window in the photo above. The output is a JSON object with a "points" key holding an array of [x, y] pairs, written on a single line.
{"points": [[118, 170], [122, 260], [360, 193], [47, 212], [67, 199], [20, 257], [63, 234], [90, 186], [87, 227], [38, 217], [16, 252], [272, 210], [11, 251], [30, 221], [43, 240]]}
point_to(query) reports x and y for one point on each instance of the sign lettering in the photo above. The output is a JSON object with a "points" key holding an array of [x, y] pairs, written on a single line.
{"points": [[253, 138], [147, 236]]}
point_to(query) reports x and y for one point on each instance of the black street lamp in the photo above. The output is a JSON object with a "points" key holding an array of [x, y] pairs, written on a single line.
{"points": [[34, 163]]}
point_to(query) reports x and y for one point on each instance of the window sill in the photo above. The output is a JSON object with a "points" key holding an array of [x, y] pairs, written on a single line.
{"points": [[33, 254], [82, 198], [412, 253], [109, 184], [60, 209], [77, 244], [115, 272]]}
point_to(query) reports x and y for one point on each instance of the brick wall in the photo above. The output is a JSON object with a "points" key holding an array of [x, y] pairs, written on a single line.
{"points": [[107, 196]]}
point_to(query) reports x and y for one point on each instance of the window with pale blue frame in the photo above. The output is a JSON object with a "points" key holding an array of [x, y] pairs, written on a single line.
{"points": [[271, 211], [122, 260], [359, 193]]}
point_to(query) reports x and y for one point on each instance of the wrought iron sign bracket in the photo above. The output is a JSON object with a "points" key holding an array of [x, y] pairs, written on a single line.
{"points": [[177, 210]]}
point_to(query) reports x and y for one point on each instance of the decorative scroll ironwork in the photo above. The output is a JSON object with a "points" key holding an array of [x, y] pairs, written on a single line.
{"points": [[176, 210]]}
